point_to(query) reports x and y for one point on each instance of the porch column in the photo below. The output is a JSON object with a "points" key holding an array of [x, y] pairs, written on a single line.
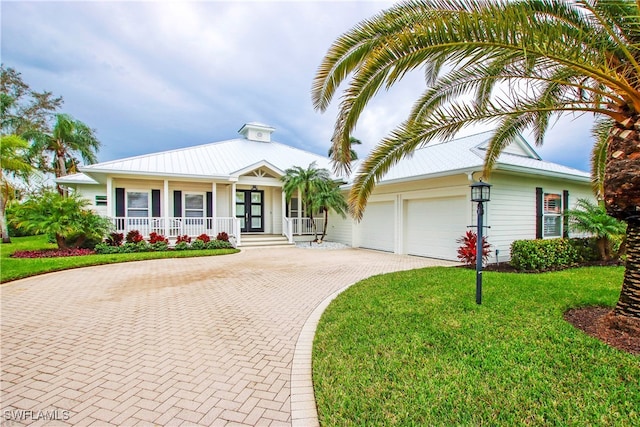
{"points": [[110, 204], [165, 207], [399, 225], [214, 206]]}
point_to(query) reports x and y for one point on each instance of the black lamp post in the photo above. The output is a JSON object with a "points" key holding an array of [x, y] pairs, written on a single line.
{"points": [[480, 193]]}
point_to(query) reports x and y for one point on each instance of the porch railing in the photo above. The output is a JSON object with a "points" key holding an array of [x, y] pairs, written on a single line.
{"points": [[173, 227], [301, 226]]}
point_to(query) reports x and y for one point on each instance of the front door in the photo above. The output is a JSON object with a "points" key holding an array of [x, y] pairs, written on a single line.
{"points": [[250, 209]]}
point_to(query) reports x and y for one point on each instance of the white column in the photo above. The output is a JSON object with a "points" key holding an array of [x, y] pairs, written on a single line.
{"points": [[165, 207], [399, 225], [110, 196], [214, 206]]}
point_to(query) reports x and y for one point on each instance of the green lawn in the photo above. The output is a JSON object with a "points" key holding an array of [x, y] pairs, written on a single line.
{"points": [[17, 268], [413, 349]]}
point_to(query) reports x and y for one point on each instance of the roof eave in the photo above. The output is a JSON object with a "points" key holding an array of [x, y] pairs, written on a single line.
{"points": [[101, 172], [546, 173]]}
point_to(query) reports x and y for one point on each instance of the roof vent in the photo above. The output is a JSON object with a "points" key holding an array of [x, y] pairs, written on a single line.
{"points": [[256, 132]]}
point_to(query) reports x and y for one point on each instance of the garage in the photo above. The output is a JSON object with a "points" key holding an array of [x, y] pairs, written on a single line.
{"points": [[377, 226], [432, 226]]}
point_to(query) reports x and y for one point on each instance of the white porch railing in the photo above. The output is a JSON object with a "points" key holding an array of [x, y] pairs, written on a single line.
{"points": [[177, 226], [301, 226]]}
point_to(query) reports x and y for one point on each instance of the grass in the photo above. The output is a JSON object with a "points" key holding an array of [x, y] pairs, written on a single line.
{"points": [[413, 348], [18, 268]]}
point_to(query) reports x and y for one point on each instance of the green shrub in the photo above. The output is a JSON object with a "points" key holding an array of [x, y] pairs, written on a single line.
{"points": [[159, 246], [542, 254], [105, 248], [218, 244], [586, 248], [181, 246], [198, 245]]}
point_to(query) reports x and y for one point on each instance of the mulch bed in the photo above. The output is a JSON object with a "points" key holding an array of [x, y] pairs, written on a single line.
{"points": [[598, 322]]}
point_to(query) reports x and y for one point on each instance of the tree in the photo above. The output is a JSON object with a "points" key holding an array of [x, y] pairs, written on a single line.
{"points": [[306, 183], [14, 163], [592, 218], [329, 198], [69, 139], [523, 62], [338, 153], [64, 217], [24, 110]]}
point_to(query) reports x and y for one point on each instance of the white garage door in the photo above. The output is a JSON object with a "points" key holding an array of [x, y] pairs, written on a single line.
{"points": [[377, 226], [434, 225]]}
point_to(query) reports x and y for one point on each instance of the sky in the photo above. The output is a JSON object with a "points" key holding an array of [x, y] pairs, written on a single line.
{"points": [[151, 76]]}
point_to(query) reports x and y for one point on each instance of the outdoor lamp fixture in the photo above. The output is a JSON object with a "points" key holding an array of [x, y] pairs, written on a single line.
{"points": [[254, 188], [480, 193]]}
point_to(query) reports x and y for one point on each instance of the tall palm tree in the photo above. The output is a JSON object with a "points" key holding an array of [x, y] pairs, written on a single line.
{"points": [[523, 61], [13, 161], [69, 139], [329, 198], [338, 153], [306, 183]]}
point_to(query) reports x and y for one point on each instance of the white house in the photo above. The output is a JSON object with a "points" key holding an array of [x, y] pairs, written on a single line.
{"points": [[421, 206]]}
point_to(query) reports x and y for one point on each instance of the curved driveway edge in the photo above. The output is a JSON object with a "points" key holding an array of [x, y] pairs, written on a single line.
{"points": [[193, 341]]}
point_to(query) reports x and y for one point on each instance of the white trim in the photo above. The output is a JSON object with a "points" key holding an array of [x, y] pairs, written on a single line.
{"points": [[126, 202]]}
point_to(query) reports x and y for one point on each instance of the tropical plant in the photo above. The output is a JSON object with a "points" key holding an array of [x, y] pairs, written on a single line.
{"points": [[592, 218], [134, 236], [306, 183], [223, 236], [469, 247], [205, 238], [337, 155], [58, 150], [523, 61], [14, 163], [63, 217], [328, 197]]}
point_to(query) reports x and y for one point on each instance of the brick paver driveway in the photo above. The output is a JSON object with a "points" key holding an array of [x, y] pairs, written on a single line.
{"points": [[200, 341]]}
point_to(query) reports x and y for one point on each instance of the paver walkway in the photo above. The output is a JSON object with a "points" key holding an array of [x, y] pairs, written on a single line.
{"points": [[199, 341]]}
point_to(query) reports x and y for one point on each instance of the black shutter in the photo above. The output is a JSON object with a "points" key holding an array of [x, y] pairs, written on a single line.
{"points": [[565, 219], [177, 203], [120, 208], [539, 208], [155, 203], [209, 209]]}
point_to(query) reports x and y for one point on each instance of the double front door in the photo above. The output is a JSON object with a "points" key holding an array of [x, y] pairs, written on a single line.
{"points": [[250, 210]]}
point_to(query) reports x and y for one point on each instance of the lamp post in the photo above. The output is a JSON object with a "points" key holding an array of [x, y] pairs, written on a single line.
{"points": [[480, 193]]}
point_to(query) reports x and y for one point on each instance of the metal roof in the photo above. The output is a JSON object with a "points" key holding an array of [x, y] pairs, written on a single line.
{"points": [[226, 160]]}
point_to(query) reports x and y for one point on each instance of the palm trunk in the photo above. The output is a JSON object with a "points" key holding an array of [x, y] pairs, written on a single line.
{"points": [[629, 302], [622, 200], [326, 221]]}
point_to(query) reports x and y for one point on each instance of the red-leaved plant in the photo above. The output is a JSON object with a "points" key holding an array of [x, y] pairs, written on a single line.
{"points": [[222, 236], [184, 238], [157, 238], [468, 248], [203, 238], [52, 253], [134, 236], [114, 239]]}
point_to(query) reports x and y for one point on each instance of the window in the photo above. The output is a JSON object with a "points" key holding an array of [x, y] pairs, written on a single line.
{"points": [[552, 215], [194, 205], [101, 200], [137, 204]]}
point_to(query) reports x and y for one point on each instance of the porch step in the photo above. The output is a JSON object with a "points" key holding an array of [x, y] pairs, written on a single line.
{"points": [[250, 240]]}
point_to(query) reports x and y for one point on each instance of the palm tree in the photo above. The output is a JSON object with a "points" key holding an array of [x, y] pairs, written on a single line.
{"points": [[592, 218], [13, 161], [329, 198], [338, 153], [306, 183], [69, 139], [523, 62]]}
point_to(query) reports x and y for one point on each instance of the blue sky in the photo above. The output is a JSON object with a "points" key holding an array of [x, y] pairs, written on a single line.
{"points": [[158, 75]]}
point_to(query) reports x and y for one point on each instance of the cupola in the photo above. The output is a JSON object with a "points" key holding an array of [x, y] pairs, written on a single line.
{"points": [[256, 132]]}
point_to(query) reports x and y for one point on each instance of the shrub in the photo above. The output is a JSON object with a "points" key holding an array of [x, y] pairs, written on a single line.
{"points": [[468, 248], [586, 248], [222, 236], [181, 245], [106, 248], [159, 246], [198, 245], [543, 254], [157, 238], [183, 239], [204, 238], [134, 236], [114, 239], [218, 244]]}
